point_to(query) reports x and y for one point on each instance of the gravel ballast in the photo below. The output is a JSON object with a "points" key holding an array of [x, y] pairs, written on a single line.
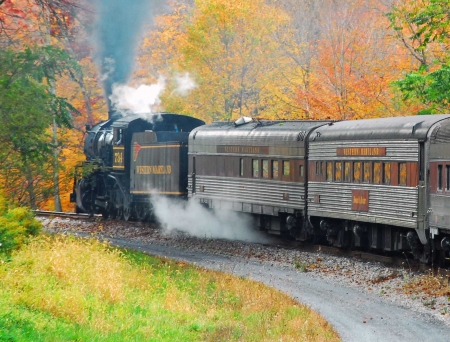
{"points": [[363, 300]]}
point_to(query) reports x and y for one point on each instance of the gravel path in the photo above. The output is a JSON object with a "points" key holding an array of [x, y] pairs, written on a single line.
{"points": [[362, 300]]}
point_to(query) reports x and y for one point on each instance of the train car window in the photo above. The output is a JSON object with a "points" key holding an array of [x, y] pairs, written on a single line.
{"points": [[402, 173], [366, 172], [338, 172], [317, 168], [357, 172], [241, 167], [439, 177], [377, 173], [447, 172], [347, 175], [255, 168], [301, 171], [265, 168], [286, 167], [275, 169], [387, 173], [329, 171]]}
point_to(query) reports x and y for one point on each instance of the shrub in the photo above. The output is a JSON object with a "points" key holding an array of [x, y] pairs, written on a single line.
{"points": [[16, 226]]}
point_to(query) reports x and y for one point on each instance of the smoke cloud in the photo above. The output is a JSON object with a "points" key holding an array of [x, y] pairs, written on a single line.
{"points": [[192, 218], [118, 32], [142, 99]]}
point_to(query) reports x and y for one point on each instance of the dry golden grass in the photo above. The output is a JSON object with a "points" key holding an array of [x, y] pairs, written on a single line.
{"points": [[106, 292], [57, 274]]}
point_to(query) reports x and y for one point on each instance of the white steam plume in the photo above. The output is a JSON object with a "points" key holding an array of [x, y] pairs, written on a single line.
{"points": [[192, 218], [137, 100], [184, 84]]}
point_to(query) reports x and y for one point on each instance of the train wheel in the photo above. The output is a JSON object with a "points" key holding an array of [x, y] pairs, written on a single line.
{"points": [[113, 213], [127, 213], [141, 212], [105, 213]]}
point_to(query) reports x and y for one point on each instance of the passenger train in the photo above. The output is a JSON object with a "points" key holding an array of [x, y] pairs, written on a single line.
{"points": [[375, 184]]}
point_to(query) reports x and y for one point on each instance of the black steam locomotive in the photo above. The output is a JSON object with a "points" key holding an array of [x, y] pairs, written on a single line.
{"points": [[381, 184], [130, 157]]}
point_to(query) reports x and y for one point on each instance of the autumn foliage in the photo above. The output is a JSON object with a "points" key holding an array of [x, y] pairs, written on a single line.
{"points": [[322, 59]]}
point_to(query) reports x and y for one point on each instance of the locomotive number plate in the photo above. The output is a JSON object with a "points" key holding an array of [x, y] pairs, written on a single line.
{"points": [[118, 159]]}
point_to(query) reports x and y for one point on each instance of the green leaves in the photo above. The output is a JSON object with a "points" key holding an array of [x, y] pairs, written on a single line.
{"points": [[28, 108], [431, 89], [428, 27]]}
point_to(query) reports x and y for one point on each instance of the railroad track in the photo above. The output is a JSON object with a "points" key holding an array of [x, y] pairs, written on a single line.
{"points": [[389, 260], [75, 216]]}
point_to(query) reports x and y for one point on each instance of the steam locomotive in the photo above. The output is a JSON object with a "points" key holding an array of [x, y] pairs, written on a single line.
{"points": [[378, 184], [129, 158]]}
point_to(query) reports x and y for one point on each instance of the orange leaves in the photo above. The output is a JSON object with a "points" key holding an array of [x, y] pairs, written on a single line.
{"points": [[316, 60], [354, 62]]}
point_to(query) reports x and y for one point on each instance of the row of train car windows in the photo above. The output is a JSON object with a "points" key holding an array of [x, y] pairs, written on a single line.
{"points": [[361, 172], [261, 168], [440, 177]]}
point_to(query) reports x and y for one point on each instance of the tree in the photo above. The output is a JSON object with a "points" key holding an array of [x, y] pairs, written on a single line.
{"points": [[424, 29], [65, 24], [27, 109], [354, 63], [230, 50]]}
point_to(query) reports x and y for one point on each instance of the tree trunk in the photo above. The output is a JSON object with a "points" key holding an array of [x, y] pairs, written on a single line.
{"points": [[30, 188], [56, 192]]}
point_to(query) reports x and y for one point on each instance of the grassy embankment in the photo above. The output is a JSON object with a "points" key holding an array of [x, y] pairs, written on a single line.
{"points": [[65, 289]]}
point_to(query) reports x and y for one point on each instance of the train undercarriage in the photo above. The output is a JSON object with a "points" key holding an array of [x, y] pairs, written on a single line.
{"points": [[368, 237]]}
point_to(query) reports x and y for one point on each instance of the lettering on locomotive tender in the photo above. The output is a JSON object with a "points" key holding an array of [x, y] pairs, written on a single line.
{"points": [[243, 149], [154, 170], [360, 200], [361, 151]]}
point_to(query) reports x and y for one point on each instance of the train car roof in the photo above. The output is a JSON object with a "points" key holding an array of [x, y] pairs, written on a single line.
{"points": [[395, 128], [184, 122], [256, 132]]}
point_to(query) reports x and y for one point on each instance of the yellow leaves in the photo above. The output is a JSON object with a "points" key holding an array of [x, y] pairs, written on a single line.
{"points": [[229, 48]]}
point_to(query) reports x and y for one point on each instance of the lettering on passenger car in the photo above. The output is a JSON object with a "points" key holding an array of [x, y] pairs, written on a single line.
{"points": [[361, 151], [360, 200], [243, 149]]}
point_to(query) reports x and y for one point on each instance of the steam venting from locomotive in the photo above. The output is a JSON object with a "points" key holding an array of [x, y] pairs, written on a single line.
{"points": [[137, 100], [192, 218]]}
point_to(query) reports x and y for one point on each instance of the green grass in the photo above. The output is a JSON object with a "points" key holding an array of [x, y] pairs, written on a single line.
{"points": [[65, 289]]}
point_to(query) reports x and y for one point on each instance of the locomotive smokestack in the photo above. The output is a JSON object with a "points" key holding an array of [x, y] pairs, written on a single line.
{"points": [[118, 33]]}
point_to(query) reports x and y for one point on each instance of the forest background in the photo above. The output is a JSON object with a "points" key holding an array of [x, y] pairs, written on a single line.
{"points": [[272, 59]]}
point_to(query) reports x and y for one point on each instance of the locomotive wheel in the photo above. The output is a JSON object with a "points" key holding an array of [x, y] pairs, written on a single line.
{"points": [[105, 213], [113, 213], [127, 213], [141, 212]]}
